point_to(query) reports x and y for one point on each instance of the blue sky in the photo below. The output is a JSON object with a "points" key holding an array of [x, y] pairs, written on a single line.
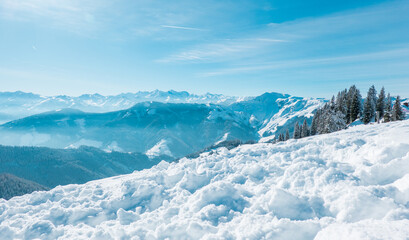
{"points": [[238, 47]]}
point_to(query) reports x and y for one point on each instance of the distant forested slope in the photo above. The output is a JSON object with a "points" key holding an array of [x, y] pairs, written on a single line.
{"points": [[11, 186], [51, 167]]}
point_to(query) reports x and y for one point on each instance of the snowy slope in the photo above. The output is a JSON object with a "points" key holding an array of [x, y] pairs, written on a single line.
{"points": [[14, 105], [272, 113], [352, 184]]}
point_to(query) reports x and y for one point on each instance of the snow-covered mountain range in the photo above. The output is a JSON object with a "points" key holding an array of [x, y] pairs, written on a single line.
{"points": [[352, 184], [15, 105], [157, 128]]}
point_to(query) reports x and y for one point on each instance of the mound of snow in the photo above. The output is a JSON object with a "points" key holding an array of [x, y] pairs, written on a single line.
{"points": [[351, 184]]}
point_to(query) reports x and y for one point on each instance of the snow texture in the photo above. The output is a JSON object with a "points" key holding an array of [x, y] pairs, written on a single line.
{"points": [[352, 184]]}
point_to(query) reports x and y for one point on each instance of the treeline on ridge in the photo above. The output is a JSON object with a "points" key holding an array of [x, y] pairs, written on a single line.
{"points": [[348, 108]]}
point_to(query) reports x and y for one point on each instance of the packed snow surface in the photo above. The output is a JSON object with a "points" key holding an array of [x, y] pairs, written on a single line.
{"points": [[352, 184]]}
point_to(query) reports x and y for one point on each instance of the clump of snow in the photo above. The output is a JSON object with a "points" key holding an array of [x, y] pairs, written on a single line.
{"points": [[351, 184]]}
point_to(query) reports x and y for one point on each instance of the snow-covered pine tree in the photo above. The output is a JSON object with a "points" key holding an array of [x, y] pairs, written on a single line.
{"points": [[297, 131], [331, 120], [388, 109], [332, 102], [373, 99], [281, 137], [323, 123], [315, 122], [380, 104], [305, 132], [397, 112], [287, 135], [355, 108], [341, 102], [367, 112]]}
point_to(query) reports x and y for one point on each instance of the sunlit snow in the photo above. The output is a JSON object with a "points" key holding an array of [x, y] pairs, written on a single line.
{"points": [[352, 184]]}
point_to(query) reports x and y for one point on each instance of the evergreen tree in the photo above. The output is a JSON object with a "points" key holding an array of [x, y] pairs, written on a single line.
{"points": [[374, 99], [314, 123], [332, 102], [281, 137], [305, 132], [331, 120], [287, 135], [322, 119], [380, 104], [297, 131], [388, 109], [397, 112], [341, 102], [355, 106], [367, 113], [349, 97]]}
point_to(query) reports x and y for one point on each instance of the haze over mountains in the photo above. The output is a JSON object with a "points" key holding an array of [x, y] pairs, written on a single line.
{"points": [[14, 105], [155, 128]]}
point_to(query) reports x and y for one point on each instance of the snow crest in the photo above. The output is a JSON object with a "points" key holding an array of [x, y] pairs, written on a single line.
{"points": [[352, 184], [161, 148]]}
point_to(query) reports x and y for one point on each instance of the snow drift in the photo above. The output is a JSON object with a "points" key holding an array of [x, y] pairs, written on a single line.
{"points": [[352, 184]]}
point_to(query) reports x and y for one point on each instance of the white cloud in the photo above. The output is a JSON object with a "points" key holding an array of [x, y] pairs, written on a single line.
{"points": [[222, 50], [355, 59], [72, 15], [180, 27], [369, 27]]}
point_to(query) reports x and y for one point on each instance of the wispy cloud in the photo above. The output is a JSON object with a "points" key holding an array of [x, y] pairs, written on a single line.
{"points": [[367, 42], [183, 28], [226, 49], [70, 14], [393, 56], [369, 28]]}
